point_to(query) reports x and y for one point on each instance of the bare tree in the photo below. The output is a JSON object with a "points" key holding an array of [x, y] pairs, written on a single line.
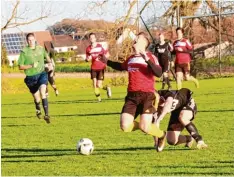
{"points": [[15, 19]]}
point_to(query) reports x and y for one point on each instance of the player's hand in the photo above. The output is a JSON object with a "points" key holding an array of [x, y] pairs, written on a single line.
{"points": [[35, 64], [179, 49], [102, 58], [144, 55]]}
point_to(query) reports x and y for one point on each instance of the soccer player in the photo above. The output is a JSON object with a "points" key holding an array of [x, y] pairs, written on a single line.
{"points": [[93, 52], [31, 60], [50, 69], [142, 66], [183, 48], [183, 108], [162, 50]]}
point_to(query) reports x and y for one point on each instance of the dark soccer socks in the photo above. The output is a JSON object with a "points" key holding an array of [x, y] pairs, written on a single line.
{"points": [[45, 106], [37, 104], [191, 128]]}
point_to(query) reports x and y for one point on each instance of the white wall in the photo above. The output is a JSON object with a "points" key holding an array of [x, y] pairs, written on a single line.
{"points": [[64, 49], [12, 58]]}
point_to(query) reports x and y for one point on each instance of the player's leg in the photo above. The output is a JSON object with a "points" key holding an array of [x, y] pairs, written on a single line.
{"points": [[129, 112], [174, 129], [32, 84], [187, 75], [185, 118], [42, 82], [52, 82], [96, 89], [165, 74], [100, 83], [37, 100], [146, 124], [179, 77]]}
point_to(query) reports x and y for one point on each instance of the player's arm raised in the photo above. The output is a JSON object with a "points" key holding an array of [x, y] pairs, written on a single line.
{"points": [[115, 65]]}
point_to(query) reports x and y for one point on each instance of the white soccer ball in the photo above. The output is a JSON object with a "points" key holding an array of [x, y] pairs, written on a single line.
{"points": [[85, 146]]}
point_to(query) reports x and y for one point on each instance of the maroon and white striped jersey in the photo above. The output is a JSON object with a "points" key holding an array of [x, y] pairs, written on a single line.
{"points": [[94, 52], [140, 76], [182, 56]]}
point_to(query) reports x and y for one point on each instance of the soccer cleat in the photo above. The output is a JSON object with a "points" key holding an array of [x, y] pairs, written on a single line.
{"points": [[201, 145], [99, 99], [189, 144], [108, 90], [56, 92], [47, 119], [38, 114], [161, 143]]}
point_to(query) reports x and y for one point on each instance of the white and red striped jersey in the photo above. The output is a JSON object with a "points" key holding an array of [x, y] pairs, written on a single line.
{"points": [[140, 76], [94, 52], [185, 45]]}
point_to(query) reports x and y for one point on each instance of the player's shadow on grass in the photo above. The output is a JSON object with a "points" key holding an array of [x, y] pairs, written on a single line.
{"points": [[85, 101], [36, 152], [29, 161], [227, 110], [63, 115]]}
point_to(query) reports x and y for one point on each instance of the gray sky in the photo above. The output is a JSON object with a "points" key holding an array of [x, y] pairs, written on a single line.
{"points": [[70, 9]]}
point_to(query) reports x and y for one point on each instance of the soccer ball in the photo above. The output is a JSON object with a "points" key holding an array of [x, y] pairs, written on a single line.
{"points": [[85, 146]]}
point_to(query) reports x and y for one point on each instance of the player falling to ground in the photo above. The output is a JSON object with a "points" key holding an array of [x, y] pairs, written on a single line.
{"points": [[97, 68], [31, 60], [183, 108], [183, 48], [50, 69], [162, 50], [142, 66]]}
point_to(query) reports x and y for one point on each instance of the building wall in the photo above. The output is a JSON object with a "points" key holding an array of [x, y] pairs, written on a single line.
{"points": [[64, 49], [12, 58]]}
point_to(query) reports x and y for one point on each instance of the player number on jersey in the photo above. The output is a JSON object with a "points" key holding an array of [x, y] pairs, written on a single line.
{"points": [[174, 104]]}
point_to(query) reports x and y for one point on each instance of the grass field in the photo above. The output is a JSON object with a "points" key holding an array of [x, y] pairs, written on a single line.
{"points": [[30, 147]]}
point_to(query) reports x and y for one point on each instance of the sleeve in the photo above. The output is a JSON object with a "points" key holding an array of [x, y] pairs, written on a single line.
{"points": [[21, 59], [188, 45], [124, 65], [87, 52], [153, 64], [45, 53]]}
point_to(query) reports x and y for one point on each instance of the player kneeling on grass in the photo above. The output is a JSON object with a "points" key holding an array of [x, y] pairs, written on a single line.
{"points": [[183, 108], [142, 67], [31, 60], [50, 69], [97, 68]]}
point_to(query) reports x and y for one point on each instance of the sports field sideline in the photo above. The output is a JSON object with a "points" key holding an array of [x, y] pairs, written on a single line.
{"points": [[30, 147]]}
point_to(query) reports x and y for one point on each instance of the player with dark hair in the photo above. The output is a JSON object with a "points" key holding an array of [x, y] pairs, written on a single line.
{"points": [[183, 108], [50, 69], [183, 49], [31, 60], [162, 51], [97, 68], [142, 67]]}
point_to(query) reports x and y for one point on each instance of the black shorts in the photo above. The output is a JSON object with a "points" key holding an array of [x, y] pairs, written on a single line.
{"points": [[139, 103], [98, 74], [164, 63], [34, 82], [51, 78], [184, 68], [174, 123]]}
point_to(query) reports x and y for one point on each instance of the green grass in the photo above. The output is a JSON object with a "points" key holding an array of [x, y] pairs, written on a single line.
{"points": [[30, 147]]}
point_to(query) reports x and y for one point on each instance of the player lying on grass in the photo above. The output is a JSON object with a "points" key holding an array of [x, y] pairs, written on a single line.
{"points": [[142, 67], [183, 108], [97, 67], [31, 60]]}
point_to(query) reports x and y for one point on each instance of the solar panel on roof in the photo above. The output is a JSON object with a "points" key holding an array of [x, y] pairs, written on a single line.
{"points": [[14, 42]]}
